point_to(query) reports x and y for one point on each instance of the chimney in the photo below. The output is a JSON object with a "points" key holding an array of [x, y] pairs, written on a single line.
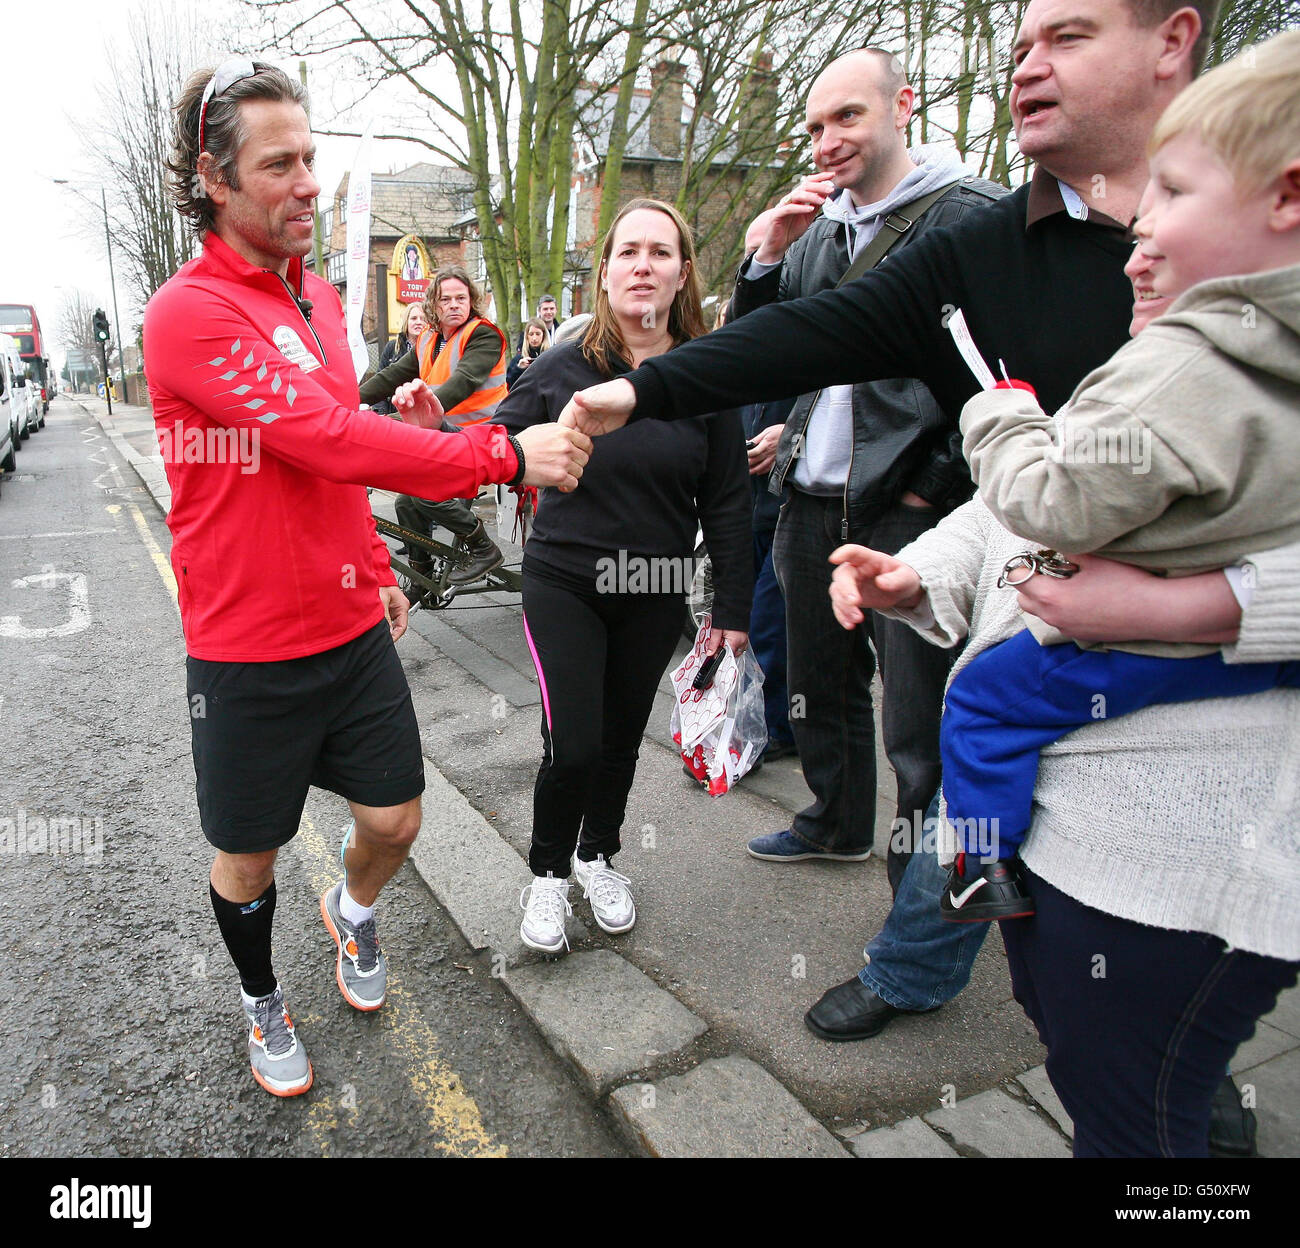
{"points": [[759, 108], [667, 80]]}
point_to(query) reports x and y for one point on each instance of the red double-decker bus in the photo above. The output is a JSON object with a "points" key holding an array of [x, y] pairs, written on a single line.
{"points": [[21, 322]]}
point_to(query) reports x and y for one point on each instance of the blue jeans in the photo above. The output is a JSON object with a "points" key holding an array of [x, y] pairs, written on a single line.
{"points": [[919, 961], [767, 640]]}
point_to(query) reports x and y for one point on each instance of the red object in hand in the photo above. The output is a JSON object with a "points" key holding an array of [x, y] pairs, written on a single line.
{"points": [[1008, 383]]}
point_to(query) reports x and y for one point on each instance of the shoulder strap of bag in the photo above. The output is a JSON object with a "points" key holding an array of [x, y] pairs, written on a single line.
{"points": [[894, 226]]}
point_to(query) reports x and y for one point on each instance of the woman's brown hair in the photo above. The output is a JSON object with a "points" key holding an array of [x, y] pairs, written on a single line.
{"points": [[603, 341]]}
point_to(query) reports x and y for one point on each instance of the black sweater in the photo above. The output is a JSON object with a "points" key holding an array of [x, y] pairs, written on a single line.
{"points": [[644, 489], [1050, 299]]}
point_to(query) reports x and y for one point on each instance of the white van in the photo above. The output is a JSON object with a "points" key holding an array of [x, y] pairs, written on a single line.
{"points": [[13, 403], [27, 395]]}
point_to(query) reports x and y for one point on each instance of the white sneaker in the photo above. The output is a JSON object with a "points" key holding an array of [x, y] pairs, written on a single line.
{"points": [[545, 909], [608, 892]]}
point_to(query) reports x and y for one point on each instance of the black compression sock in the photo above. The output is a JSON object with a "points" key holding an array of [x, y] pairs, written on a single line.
{"points": [[246, 929]]}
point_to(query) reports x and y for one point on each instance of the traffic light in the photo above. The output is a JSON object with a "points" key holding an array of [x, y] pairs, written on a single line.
{"points": [[101, 326]]}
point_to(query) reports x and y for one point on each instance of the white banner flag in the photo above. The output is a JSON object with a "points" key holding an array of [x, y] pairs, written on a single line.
{"points": [[359, 250]]}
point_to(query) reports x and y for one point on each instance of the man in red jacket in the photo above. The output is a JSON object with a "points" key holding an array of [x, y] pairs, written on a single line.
{"points": [[289, 607]]}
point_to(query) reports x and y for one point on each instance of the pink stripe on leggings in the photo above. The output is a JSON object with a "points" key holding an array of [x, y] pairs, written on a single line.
{"points": [[541, 676]]}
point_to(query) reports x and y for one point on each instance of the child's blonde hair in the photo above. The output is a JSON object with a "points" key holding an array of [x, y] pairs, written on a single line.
{"points": [[1246, 111]]}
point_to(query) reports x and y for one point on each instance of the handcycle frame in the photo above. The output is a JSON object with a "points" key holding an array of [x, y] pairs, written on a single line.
{"points": [[439, 591]]}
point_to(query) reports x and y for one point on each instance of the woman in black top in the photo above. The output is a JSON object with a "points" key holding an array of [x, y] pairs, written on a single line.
{"points": [[414, 323], [606, 566]]}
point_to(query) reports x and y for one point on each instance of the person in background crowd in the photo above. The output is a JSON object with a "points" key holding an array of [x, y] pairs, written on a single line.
{"points": [[548, 314], [600, 620], [462, 357], [414, 322], [535, 341], [288, 604], [875, 460], [763, 423]]}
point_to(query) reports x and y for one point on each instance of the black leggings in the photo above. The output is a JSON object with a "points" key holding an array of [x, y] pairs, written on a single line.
{"points": [[599, 660]]}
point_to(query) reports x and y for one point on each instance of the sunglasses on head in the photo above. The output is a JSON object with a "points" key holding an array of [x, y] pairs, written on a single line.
{"points": [[228, 73]]}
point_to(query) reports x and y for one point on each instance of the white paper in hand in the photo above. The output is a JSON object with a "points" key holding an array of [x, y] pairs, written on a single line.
{"points": [[961, 335]]}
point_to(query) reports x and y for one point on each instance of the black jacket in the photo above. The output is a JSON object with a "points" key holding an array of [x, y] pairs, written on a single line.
{"points": [[901, 439], [643, 490], [1039, 290]]}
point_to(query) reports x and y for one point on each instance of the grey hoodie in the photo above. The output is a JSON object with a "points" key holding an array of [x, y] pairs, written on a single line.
{"points": [[823, 468], [1181, 453]]}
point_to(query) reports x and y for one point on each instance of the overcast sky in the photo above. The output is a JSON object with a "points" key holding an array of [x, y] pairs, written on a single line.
{"points": [[56, 53]]}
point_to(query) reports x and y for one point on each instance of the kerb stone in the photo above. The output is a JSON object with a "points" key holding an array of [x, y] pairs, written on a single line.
{"points": [[909, 1138], [725, 1107], [473, 872], [603, 1015]]}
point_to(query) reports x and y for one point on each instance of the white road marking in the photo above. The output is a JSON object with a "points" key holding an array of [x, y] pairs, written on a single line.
{"points": [[78, 606]]}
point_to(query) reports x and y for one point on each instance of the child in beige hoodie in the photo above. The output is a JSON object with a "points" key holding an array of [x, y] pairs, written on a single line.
{"points": [[1180, 454]]}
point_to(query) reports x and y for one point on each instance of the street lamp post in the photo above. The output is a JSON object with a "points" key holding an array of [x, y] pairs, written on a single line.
{"points": [[112, 281]]}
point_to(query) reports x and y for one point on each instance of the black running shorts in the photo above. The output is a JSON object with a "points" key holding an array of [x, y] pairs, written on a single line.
{"points": [[264, 732]]}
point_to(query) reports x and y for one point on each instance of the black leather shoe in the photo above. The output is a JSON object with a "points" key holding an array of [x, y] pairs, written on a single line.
{"points": [[1232, 1124], [851, 1011]]}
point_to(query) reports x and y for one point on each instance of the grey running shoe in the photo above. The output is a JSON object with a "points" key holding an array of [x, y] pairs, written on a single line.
{"points": [[361, 971], [275, 1053]]}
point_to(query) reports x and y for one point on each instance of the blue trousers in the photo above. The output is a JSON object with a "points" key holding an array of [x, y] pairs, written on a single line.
{"points": [[1017, 697], [1139, 1022]]}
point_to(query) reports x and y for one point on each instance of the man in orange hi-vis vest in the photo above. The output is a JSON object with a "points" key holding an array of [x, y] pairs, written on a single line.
{"points": [[463, 359]]}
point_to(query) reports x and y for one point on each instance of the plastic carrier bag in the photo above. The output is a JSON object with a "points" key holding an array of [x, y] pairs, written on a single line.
{"points": [[720, 730]]}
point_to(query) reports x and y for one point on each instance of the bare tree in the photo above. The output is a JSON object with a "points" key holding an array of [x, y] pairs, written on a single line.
{"points": [[1243, 22], [127, 144], [510, 91], [75, 328]]}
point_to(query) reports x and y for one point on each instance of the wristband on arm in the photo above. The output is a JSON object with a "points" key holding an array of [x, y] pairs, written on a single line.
{"points": [[518, 478]]}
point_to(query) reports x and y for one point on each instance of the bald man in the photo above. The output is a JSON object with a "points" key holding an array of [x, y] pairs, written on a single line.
{"points": [[875, 463]]}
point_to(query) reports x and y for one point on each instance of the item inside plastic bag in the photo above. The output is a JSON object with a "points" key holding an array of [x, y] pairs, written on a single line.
{"points": [[720, 730]]}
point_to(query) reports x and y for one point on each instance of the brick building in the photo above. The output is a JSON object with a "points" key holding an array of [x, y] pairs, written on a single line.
{"points": [[424, 204], [658, 126]]}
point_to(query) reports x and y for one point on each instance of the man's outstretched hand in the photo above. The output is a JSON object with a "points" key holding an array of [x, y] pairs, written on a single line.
{"points": [[416, 404], [554, 455], [600, 409], [868, 578]]}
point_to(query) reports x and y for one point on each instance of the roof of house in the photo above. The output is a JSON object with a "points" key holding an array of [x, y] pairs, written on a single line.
{"points": [[596, 115], [424, 199]]}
